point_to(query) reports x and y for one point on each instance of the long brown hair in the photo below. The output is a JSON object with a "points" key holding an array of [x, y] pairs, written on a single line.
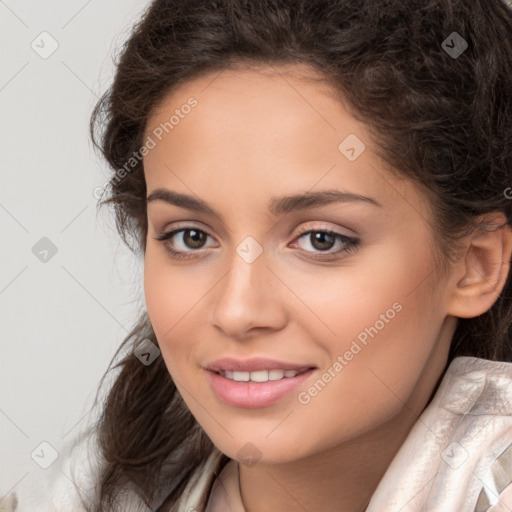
{"points": [[441, 119]]}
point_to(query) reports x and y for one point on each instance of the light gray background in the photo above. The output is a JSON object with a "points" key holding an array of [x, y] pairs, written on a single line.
{"points": [[62, 319]]}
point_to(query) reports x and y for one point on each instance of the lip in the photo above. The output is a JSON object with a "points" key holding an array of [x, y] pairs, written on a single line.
{"points": [[254, 364], [252, 395]]}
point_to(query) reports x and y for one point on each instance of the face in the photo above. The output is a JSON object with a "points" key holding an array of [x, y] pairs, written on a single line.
{"points": [[346, 285]]}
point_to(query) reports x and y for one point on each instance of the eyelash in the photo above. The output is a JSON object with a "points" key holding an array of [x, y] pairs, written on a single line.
{"points": [[350, 243]]}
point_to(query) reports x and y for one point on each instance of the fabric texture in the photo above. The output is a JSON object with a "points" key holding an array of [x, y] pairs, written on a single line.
{"points": [[457, 457]]}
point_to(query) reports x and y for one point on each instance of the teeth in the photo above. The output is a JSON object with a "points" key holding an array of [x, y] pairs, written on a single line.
{"points": [[258, 376]]}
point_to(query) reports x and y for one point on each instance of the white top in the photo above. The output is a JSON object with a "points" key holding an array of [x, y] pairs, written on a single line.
{"points": [[457, 457]]}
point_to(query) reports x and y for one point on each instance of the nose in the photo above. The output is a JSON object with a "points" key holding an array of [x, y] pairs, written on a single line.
{"points": [[248, 299]]}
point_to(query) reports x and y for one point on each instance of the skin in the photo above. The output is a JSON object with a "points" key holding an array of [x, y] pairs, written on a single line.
{"points": [[262, 132]]}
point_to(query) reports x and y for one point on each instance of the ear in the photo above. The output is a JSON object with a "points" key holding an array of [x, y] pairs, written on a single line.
{"points": [[482, 271]]}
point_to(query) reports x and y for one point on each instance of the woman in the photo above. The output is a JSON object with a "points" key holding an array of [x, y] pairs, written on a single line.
{"points": [[321, 192]]}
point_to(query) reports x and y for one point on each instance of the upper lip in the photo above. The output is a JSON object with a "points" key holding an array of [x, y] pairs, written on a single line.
{"points": [[254, 364]]}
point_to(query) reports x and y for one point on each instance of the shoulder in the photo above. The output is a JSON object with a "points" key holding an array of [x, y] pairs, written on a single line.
{"points": [[459, 451], [64, 485], [71, 482], [196, 494]]}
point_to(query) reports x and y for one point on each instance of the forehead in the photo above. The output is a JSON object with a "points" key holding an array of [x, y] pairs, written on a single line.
{"points": [[267, 102], [256, 81], [265, 115], [259, 128]]}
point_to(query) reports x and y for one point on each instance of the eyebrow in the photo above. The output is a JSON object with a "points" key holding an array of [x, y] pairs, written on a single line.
{"points": [[276, 206]]}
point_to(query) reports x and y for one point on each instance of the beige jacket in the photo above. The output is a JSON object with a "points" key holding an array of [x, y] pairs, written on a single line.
{"points": [[456, 458]]}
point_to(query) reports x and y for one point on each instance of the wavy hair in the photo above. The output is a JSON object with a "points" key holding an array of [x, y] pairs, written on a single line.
{"points": [[439, 119]]}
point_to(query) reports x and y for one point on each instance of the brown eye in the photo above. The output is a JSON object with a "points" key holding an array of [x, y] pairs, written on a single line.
{"points": [[321, 240], [194, 238], [192, 241]]}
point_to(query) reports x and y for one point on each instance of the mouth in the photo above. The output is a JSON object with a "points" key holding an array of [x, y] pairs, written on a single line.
{"points": [[261, 388]]}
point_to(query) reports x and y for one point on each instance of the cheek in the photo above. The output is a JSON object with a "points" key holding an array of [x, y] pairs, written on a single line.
{"points": [[380, 316], [165, 299], [174, 296], [338, 303]]}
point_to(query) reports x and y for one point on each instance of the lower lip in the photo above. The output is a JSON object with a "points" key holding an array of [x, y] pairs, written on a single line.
{"points": [[250, 394]]}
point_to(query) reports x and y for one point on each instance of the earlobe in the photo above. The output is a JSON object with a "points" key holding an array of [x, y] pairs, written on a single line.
{"points": [[484, 268]]}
